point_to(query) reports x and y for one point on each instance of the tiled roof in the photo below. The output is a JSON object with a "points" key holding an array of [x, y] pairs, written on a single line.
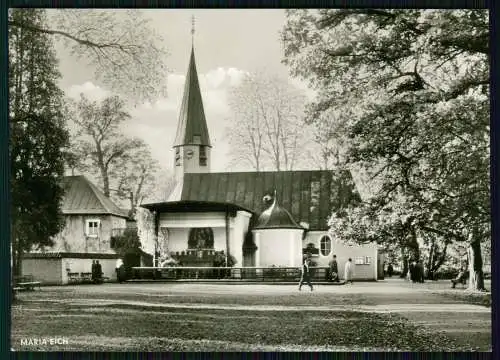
{"points": [[83, 197], [309, 196], [192, 120]]}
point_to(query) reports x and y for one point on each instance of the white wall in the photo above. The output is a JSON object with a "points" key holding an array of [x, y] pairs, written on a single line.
{"points": [[190, 220], [279, 247], [47, 271], [344, 252]]}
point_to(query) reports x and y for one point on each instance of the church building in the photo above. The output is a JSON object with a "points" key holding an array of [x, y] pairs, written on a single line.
{"points": [[262, 219]]}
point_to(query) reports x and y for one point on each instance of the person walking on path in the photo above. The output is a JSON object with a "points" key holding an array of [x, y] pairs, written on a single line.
{"points": [[334, 269], [306, 274], [349, 271], [390, 270]]}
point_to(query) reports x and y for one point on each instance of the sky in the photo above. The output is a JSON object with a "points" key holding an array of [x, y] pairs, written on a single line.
{"points": [[228, 43]]}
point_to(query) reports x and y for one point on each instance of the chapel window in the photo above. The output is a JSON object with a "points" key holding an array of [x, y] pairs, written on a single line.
{"points": [[325, 245]]}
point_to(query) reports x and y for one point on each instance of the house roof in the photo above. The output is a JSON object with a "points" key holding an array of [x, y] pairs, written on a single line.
{"points": [[309, 196], [276, 217], [192, 122], [83, 197]]}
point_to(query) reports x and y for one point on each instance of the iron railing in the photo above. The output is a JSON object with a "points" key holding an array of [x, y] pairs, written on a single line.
{"points": [[280, 274]]}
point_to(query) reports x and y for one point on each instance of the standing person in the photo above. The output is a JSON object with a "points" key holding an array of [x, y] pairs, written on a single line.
{"points": [[94, 271], [411, 271], [98, 270], [119, 271], [334, 269], [349, 271], [306, 274], [420, 271], [390, 270]]}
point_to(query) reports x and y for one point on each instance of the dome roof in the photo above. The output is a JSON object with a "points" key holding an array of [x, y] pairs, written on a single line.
{"points": [[276, 217]]}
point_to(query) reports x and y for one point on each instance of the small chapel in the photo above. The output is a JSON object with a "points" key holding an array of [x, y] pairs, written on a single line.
{"points": [[261, 219]]}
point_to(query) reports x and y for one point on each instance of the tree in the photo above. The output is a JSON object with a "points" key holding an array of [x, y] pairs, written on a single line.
{"points": [[135, 175], [38, 137], [416, 82], [100, 144], [120, 44], [266, 114]]}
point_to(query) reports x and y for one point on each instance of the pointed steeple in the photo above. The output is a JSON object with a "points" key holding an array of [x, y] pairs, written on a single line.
{"points": [[192, 127]]}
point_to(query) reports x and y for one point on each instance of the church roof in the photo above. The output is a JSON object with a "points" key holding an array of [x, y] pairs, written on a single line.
{"points": [[192, 126], [276, 217], [310, 196], [83, 197]]}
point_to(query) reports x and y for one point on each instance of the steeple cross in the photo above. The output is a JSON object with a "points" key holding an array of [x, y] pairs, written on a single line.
{"points": [[192, 28]]}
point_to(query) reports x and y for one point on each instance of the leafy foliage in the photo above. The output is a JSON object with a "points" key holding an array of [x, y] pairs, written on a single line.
{"points": [[411, 91], [127, 243], [122, 46]]}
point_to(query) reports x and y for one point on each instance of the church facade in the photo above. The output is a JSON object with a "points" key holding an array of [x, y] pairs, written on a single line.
{"points": [[261, 219]]}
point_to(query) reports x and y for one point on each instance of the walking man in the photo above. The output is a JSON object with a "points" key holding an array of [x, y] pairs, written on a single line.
{"points": [[306, 274], [349, 271], [334, 269]]}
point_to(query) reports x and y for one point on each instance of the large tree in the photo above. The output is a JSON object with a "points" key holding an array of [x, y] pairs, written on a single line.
{"points": [[266, 122], [120, 45], [38, 136], [413, 88], [100, 146], [135, 176]]}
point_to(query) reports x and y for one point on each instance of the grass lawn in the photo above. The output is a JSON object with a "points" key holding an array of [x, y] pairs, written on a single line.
{"points": [[157, 318]]}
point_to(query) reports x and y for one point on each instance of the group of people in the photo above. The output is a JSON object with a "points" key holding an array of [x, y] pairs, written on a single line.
{"points": [[97, 272], [416, 271], [332, 273]]}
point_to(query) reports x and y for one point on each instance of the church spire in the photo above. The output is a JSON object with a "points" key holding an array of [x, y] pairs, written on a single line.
{"points": [[192, 127]]}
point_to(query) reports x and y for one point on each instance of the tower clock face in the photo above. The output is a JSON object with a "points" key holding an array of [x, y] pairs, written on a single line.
{"points": [[189, 154]]}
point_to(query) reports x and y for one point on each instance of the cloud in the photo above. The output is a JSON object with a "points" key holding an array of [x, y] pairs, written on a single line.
{"points": [[91, 91]]}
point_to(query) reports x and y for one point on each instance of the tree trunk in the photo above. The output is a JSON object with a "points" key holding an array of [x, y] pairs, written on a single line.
{"points": [[405, 263], [476, 276]]}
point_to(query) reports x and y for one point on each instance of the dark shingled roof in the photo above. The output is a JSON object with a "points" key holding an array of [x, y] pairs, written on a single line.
{"points": [[276, 217], [83, 197], [310, 196], [192, 120]]}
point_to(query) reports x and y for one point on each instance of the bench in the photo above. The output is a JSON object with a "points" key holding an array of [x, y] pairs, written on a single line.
{"points": [[25, 282]]}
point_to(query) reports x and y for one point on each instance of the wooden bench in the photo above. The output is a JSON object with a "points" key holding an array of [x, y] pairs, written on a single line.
{"points": [[25, 282]]}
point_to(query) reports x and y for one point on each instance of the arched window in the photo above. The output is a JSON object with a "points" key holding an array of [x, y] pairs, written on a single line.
{"points": [[201, 238], [325, 245]]}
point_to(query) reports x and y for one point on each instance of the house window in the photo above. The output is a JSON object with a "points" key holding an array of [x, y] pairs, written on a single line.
{"points": [[203, 156], [325, 245], [368, 260], [92, 228], [177, 156], [201, 238]]}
